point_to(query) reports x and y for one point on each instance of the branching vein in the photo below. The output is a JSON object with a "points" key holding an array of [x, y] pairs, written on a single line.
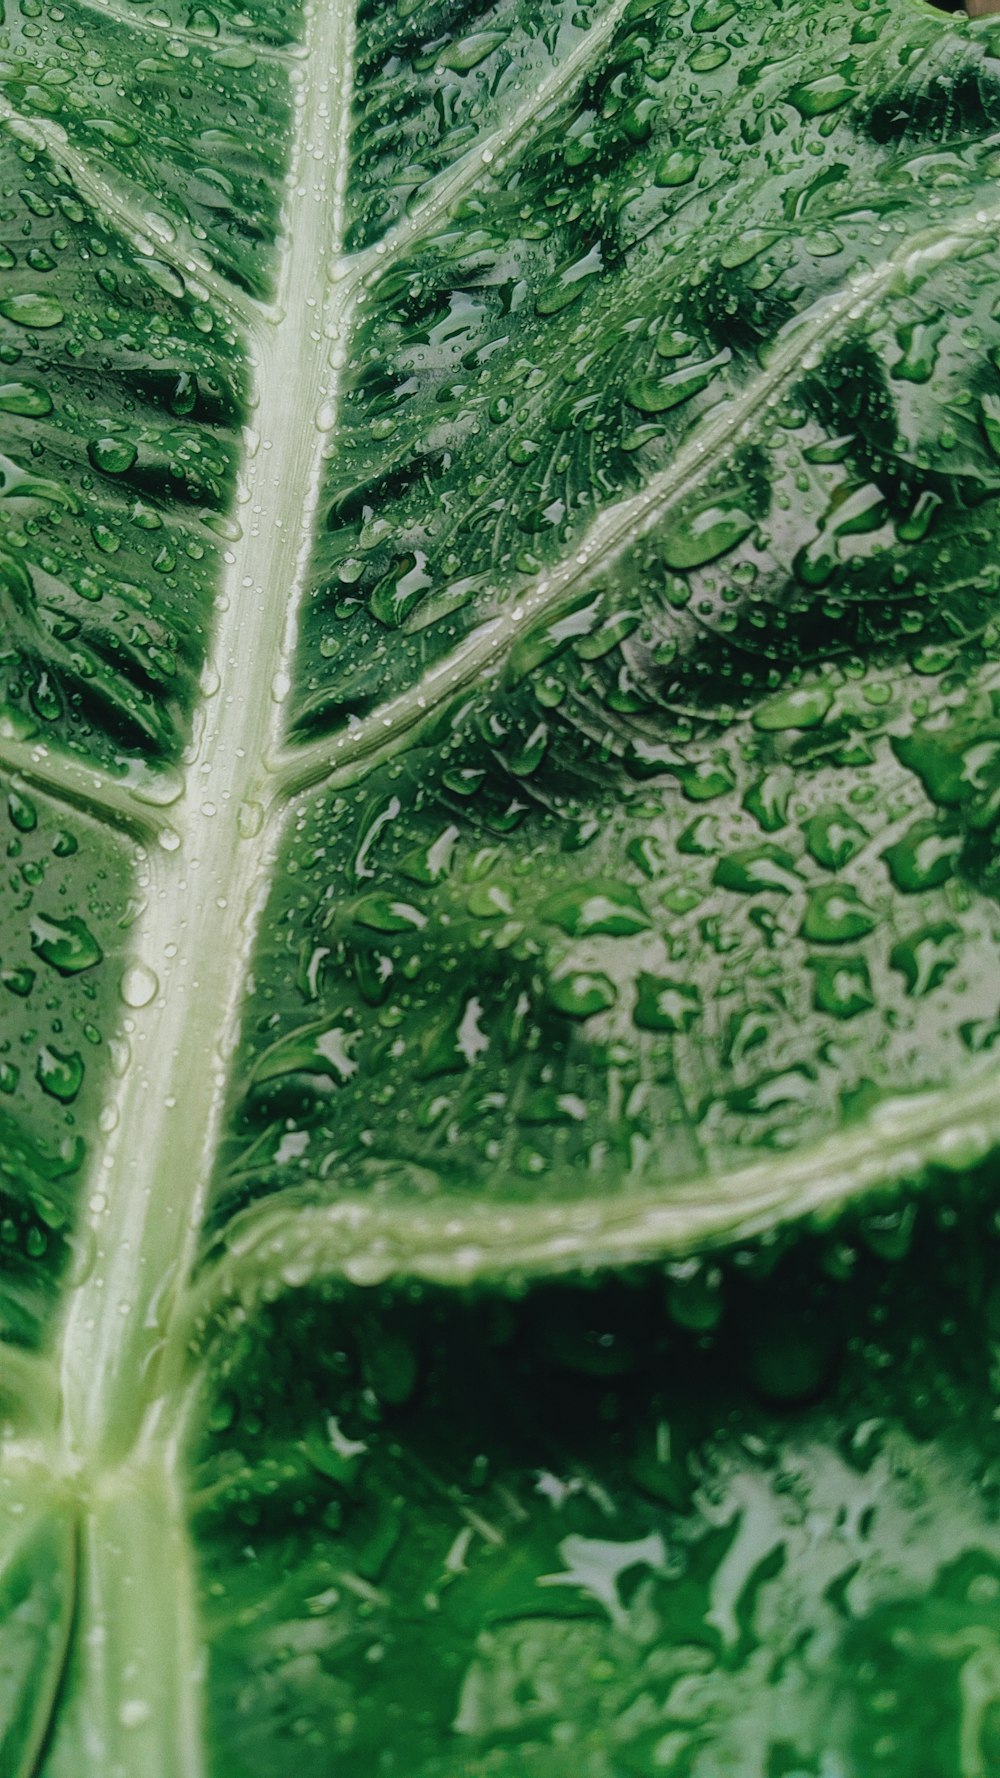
{"points": [[154, 236], [487, 156], [347, 754], [138, 803], [452, 1241]]}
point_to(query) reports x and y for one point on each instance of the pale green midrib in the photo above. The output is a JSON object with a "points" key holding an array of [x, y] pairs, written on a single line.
{"points": [[455, 1241], [215, 880], [352, 751], [122, 1347], [120, 202], [143, 1202]]}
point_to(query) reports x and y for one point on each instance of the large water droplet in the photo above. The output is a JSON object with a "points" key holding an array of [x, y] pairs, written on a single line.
{"points": [[814, 98], [113, 456], [25, 398], [138, 985], [32, 308], [753, 868], [59, 1072], [665, 1004], [68, 945], [581, 993], [602, 905], [841, 986], [836, 913], [469, 51], [694, 538]]}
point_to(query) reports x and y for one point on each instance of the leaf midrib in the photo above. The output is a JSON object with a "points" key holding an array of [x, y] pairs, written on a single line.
{"points": [[143, 1203], [205, 896], [120, 1369]]}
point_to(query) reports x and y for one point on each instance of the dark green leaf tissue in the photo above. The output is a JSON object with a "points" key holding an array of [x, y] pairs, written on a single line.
{"points": [[500, 909]]}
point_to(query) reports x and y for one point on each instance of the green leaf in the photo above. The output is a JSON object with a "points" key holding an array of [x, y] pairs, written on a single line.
{"points": [[498, 716]]}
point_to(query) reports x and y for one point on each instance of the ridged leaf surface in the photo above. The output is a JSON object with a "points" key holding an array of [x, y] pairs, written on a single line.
{"points": [[501, 740]]}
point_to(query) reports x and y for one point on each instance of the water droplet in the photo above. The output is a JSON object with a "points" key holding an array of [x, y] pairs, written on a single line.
{"points": [[814, 98], [924, 858], [32, 308], [841, 985], [603, 905], [59, 1073], [113, 456], [469, 51], [658, 395], [25, 398], [926, 956], [528, 757], [581, 993], [138, 985], [835, 913], [45, 699], [22, 812], [383, 914], [694, 538], [754, 868], [665, 1004], [68, 945], [804, 707], [918, 522], [833, 837], [711, 14], [767, 801], [746, 246], [919, 342], [19, 981], [184, 395], [249, 820]]}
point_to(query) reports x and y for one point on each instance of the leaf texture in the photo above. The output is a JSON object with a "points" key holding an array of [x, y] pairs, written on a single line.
{"points": [[498, 560]]}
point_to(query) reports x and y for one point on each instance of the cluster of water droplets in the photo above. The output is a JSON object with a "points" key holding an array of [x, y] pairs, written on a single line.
{"points": [[691, 1524], [62, 894]]}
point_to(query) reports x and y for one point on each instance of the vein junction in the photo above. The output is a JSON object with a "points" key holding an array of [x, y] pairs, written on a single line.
{"points": [[207, 860]]}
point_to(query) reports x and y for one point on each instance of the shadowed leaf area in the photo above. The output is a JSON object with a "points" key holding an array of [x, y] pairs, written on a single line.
{"points": [[737, 1518]]}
